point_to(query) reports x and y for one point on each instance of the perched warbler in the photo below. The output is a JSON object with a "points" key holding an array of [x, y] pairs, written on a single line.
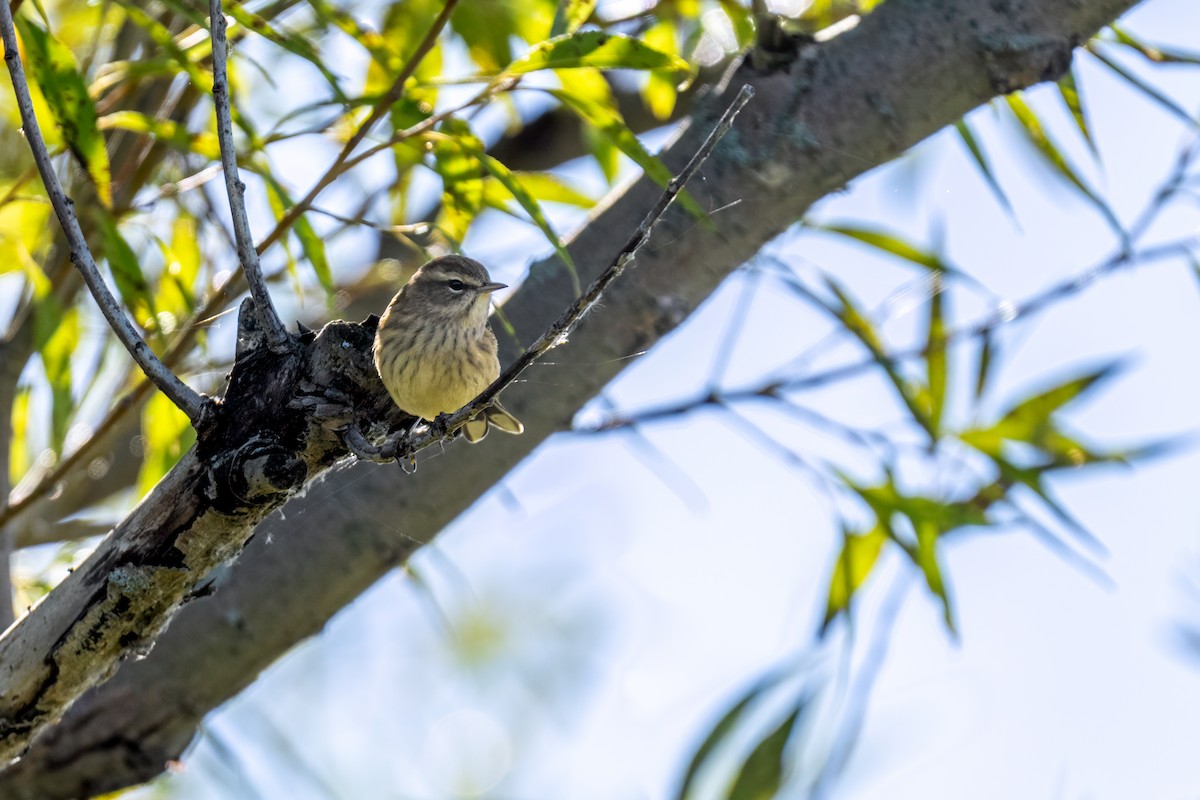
{"points": [[434, 350]]}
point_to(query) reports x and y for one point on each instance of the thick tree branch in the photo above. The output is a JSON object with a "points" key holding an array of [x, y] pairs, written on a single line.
{"points": [[910, 68], [277, 336], [189, 401]]}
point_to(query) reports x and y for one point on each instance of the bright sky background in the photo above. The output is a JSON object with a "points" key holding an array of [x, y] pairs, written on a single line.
{"points": [[607, 607]]}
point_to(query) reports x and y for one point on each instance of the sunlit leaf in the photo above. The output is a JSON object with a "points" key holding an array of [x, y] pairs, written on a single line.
{"points": [[741, 19], [609, 124], [1155, 53], [858, 556], [56, 351], [967, 135], [570, 15], [166, 436], [126, 271], [292, 42], [462, 178], [936, 357], [527, 201], [761, 775], [1147, 89], [725, 726], [1045, 146], [984, 363], [202, 143], [598, 50], [892, 244], [546, 187], [488, 36], [53, 69], [928, 531], [659, 91], [312, 244], [1068, 90], [189, 60]]}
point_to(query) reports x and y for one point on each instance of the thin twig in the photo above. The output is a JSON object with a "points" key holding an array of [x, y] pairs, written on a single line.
{"points": [[276, 333], [187, 399], [569, 318]]}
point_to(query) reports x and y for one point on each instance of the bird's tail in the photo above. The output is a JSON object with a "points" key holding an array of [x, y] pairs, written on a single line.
{"points": [[494, 416]]}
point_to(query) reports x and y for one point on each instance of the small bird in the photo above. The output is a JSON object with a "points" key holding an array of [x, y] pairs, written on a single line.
{"points": [[434, 350]]}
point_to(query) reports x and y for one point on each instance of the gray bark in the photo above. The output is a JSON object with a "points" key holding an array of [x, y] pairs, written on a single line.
{"points": [[828, 113]]}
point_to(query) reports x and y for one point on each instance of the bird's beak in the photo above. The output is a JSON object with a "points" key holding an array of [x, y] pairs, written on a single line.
{"points": [[488, 288]]}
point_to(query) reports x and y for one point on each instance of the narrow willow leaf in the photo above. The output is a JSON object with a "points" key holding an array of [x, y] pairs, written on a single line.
{"points": [[547, 188], [1068, 90], [590, 87], [167, 131], [166, 436], [609, 124], [1036, 410], [984, 363], [892, 244], [860, 552], [1157, 54], [462, 178], [1045, 146], [56, 74], [761, 775], [126, 271], [56, 351], [188, 60], [534, 209], [723, 728], [659, 93], [1145, 88], [967, 135], [312, 244], [598, 50], [571, 15], [936, 365], [291, 42], [488, 36], [928, 531]]}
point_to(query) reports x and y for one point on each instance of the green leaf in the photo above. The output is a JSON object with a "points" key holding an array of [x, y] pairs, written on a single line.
{"points": [[462, 178], [936, 366], [983, 369], [188, 60], [742, 21], [976, 150], [1025, 420], [659, 93], [181, 260], [723, 728], [54, 70], [761, 775], [570, 15], [291, 42], [1154, 53], [126, 271], [1068, 90], [598, 50], [312, 244], [488, 36], [609, 124], [505, 176], [892, 244], [860, 552], [1045, 146], [56, 350], [1145, 88], [202, 143], [590, 86], [545, 186], [928, 531], [166, 435]]}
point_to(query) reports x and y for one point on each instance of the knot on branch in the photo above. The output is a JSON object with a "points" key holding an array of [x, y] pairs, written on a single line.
{"points": [[1019, 60], [261, 468]]}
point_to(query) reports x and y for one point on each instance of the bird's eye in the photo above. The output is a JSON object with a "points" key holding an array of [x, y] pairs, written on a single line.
{"points": [[456, 285]]}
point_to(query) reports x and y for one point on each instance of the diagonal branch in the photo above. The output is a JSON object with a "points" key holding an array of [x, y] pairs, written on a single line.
{"points": [[277, 337], [192, 403]]}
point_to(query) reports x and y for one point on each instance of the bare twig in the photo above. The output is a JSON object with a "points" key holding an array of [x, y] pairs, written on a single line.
{"points": [[557, 332], [192, 403], [276, 334]]}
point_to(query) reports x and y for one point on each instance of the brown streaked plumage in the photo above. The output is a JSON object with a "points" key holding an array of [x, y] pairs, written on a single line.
{"points": [[434, 350]]}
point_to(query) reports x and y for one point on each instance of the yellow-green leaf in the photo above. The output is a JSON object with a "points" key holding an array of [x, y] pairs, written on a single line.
{"points": [[598, 50], [54, 70], [166, 436], [762, 773], [202, 143], [126, 271], [570, 15], [860, 552]]}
